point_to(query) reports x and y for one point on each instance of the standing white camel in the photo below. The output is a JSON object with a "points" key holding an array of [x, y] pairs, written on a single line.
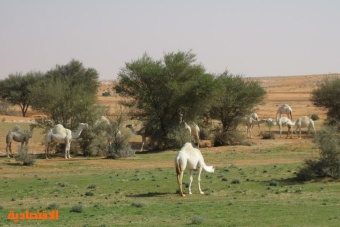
{"points": [[270, 123], [249, 121], [20, 135], [190, 158], [257, 120], [285, 121], [59, 134], [110, 129], [304, 122], [284, 109], [193, 129], [144, 132]]}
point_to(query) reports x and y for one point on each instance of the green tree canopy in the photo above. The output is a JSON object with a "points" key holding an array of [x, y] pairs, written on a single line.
{"points": [[67, 93], [237, 96], [15, 89], [327, 95], [160, 89]]}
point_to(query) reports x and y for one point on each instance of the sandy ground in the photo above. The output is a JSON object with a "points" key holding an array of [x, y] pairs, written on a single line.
{"points": [[293, 90]]}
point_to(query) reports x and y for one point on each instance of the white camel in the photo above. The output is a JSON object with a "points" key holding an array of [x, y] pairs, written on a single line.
{"points": [[304, 122], [190, 158], [193, 129], [257, 120], [144, 132], [284, 109], [59, 134], [111, 131], [249, 121], [285, 121], [270, 123], [20, 135]]}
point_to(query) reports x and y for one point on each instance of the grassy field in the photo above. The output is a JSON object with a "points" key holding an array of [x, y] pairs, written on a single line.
{"points": [[252, 186]]}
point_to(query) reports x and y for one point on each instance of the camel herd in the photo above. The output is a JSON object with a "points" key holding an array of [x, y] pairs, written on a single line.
{"points": [[57, 134], [192, 159], [187, 158], [302, 122]]}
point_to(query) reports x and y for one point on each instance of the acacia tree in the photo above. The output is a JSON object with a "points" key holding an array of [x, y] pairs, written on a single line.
{"points": [[67, 93], [15, 89], [160, 89], [327, 95], [237, 96]]}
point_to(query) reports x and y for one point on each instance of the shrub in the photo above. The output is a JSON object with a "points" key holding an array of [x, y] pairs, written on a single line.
{"points": [[328, 164], [120, 147], [235, 181], [233, 137], [197, 220], [89, 193], [205, 133], [268, 135], [138, 204], [79, 208], [91, 186], [106, 93], [25, 157], [6, 110], [314, 117], [52, 206], [177, 137], [108, 139]]}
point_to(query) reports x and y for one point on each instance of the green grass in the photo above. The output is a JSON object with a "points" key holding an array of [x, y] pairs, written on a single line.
{"points": [[147, 197], [248, 188]]}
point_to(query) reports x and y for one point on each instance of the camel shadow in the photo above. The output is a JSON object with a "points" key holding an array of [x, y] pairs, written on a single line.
{"points": [[148, 195]]}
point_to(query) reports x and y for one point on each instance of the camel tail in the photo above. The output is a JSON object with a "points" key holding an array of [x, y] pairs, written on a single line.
{"points": [[209, 169]]}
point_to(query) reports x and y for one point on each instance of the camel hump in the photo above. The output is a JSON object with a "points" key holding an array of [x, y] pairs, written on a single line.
{"points": [[16, 128], [58, 129]]}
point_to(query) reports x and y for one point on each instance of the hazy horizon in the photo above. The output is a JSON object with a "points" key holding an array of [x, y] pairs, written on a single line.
{"points": [[251, 38]]}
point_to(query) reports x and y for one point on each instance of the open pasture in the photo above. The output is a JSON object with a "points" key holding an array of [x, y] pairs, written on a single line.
{"points": [[252, 185]]}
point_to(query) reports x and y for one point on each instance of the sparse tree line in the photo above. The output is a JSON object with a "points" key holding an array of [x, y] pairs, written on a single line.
{"points": [[156, 91]]}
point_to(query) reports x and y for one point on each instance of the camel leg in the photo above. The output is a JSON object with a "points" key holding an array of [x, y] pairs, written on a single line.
{"points": [[191, 179], [289, 131], [143, 142], [199, 180], [300, 133], [67, 150], [8, 150], [179, 181], [47, 145], [280, 131]]}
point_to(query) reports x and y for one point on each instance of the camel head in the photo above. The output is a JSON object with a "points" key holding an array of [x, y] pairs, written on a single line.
{"points": [[32, 126], [83, 125], [77, 133]]}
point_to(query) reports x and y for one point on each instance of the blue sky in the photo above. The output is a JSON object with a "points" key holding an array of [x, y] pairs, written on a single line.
{"points": [[251, 38]]}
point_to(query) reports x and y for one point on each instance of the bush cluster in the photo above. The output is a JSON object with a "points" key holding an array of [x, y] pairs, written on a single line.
{"points": [[232, 137], [25, 157], [328, 164]]}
